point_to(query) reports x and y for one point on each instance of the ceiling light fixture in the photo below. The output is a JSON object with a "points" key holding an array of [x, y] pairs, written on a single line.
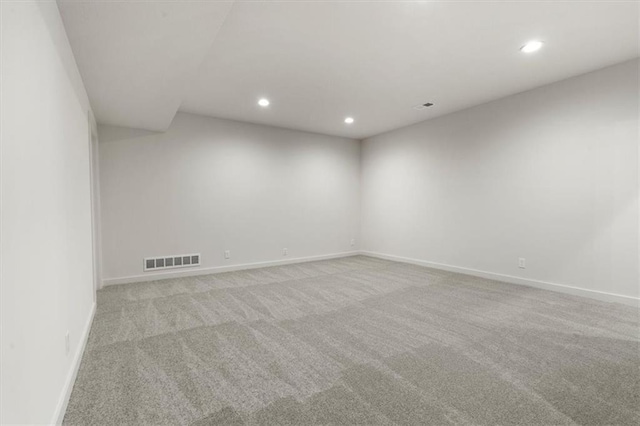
{"points": [[349, 120], [263, 102], [531, 46]]}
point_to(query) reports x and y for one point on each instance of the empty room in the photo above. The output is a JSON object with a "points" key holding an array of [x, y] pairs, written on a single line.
{"points": [[319, 212]]}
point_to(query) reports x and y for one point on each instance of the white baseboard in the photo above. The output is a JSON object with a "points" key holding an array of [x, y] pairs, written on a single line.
{"points": [[216, 269], [576, 291], [61, 408]]}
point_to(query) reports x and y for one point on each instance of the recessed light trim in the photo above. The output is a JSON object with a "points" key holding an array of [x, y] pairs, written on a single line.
{"points": [[264, 102], [349, 120], [532, 46]]}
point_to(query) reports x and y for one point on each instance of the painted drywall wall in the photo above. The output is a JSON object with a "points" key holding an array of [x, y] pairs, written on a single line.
{"points": [[95, 208], [549, 175], [46, 267], [208, 185]]}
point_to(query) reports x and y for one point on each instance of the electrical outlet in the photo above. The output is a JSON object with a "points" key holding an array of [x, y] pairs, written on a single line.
{"points": [[227, 254], [522, 263], [353, 242], [67, 345], [285, 252]]}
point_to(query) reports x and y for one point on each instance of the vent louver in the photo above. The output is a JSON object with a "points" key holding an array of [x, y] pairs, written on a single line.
{"points": [[423, 106], [170, 262]]}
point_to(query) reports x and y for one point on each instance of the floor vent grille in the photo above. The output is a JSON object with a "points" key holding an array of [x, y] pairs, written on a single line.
{"points": [[170, 262]]}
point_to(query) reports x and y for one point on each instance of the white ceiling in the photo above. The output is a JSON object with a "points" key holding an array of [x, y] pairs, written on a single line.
{"points": [[319, 62], [137, 58]]}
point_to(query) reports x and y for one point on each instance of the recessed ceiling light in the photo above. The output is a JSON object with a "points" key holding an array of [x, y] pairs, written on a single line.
{"points": [[263, 102], [531, 46], [349, 120]]}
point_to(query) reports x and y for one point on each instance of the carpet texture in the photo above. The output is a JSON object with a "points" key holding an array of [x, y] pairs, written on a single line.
{"points": [[356, 340]]}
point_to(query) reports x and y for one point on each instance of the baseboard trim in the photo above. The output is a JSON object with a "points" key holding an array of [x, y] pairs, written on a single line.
{"points": [[217, 269], [562, 288], [61, 408]]}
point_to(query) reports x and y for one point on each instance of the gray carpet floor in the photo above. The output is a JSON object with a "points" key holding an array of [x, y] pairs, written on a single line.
{"points": [[356, 340]]}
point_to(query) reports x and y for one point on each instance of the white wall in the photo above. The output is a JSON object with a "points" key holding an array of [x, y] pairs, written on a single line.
{"points": [[46, 266], [95, 208], [550, 175], [208, 185]]}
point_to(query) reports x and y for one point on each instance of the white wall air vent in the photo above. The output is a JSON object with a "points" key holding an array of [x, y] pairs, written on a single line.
{"points": [[170, 262]]}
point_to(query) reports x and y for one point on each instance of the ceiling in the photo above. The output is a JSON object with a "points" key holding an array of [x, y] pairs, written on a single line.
{"points": [[319, 62], [136, 58]]}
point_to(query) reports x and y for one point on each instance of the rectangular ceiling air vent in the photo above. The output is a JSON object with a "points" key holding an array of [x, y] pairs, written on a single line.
{"points": [[170, 262], [423, 106]]}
